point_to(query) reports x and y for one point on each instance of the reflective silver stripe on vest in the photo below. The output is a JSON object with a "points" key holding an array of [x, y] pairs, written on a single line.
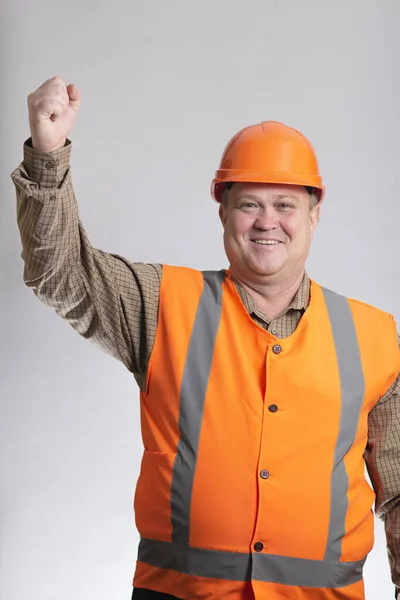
{"points": [[178, 555], [240, 566], [192, 398], [352, 387]]}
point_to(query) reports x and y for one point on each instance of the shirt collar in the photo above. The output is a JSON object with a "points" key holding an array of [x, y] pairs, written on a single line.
{"points": [[300, 300]]}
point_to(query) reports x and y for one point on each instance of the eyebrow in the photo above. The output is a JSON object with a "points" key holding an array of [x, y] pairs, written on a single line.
{"points": [[248, 197], [277, 197]]}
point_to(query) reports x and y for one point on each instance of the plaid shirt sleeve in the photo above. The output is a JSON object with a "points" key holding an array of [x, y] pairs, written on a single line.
{"points": [[382, 456], [103, 296]]}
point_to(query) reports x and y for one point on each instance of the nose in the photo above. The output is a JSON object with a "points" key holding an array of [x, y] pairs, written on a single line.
{"points": [[266, 219]]}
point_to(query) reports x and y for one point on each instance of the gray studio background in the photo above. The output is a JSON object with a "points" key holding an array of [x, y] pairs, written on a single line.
{"points": [[164, 85]]}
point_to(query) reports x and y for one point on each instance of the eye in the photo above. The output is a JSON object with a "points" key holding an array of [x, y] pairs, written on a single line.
{"points": [[248, 204], [285, 205]]}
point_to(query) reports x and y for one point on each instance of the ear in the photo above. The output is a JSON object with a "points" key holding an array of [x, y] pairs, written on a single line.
{"points": [[314, 217], [222, 215]]}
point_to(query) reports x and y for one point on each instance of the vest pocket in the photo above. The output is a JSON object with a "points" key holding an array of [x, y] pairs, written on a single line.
{"points": [[153, 496]]}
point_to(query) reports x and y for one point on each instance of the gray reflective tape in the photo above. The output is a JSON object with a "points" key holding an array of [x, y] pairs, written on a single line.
{"points": [[192, 397], [304, 572], [352, 386], [237, 566], [232, 566]]}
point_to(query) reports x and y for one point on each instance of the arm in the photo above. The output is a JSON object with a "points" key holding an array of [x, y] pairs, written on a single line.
{"points": [[382, 456], [104, 297]]}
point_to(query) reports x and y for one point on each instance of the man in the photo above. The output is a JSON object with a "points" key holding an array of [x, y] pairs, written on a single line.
{"points": [[261, 392]]}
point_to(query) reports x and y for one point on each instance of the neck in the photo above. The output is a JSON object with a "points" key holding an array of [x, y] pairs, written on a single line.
{"points": [[272, 297]]}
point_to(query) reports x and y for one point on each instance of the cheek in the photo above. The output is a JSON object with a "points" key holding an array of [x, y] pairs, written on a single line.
{"points": [[237, 227], [298, 232], [291, 226]]}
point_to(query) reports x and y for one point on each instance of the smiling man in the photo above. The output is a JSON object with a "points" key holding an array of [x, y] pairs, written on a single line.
{"points": [[263, 395]]}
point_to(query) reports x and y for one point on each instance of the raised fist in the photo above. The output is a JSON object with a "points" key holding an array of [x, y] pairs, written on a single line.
{"points": [[52, 112]]}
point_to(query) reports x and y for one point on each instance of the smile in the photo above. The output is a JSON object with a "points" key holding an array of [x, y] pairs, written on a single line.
{"points": [[266, 242]]}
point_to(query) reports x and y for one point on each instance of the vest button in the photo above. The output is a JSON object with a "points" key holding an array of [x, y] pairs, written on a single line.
{"points": [[276, 349], [272, 408], [264, 474], [258, 546]]}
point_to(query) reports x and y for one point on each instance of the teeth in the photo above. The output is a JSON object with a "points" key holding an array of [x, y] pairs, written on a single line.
{"points": [[266, 242]]}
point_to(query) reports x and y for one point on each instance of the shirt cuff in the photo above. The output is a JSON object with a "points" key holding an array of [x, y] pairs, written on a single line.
{"points": [[48, 169]]}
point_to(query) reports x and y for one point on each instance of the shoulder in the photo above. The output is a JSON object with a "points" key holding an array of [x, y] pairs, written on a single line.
{"points": [[356, 304]]}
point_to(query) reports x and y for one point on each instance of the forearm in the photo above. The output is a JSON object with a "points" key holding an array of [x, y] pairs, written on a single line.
{"points": [[391, 521], [382, 457], [47, 215]]}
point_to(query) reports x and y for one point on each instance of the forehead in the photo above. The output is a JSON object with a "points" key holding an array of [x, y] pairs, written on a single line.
{"points": [[265, 191]]}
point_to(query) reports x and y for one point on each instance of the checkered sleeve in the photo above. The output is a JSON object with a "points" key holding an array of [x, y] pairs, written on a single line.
{"points": [[104, 297], [382, 456]]}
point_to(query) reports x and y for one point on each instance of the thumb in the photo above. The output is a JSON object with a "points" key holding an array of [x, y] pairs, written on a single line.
{"points": [[74, 96]]}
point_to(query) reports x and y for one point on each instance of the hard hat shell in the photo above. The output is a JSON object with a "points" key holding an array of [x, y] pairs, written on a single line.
{"points": [[269, 152]]}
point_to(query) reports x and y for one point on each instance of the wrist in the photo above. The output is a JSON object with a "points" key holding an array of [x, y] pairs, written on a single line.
{"points": [[47, 147]]}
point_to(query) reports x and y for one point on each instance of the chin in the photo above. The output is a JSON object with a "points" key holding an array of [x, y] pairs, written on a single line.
{"points": [[267, 273], [264, 270], [250, 268], [252, 271]]}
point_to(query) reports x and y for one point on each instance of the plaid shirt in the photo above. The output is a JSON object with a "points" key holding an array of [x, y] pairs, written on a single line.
{"points": [[114, 303]]}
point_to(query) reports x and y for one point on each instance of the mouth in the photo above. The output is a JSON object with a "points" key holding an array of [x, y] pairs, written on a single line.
{"points": [[261, 242]]}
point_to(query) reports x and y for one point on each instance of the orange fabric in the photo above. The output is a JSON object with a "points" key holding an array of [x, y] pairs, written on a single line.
{"points": [[189, 588], [268, 152], [272, 591], [164, 581], [232, 507], [159, 413]]}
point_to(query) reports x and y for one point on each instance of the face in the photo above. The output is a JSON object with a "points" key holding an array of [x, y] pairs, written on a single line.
{"points": [[267, 230]]}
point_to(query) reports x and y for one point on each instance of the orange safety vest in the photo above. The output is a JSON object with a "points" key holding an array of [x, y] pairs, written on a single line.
{"points": [[252, 482]]}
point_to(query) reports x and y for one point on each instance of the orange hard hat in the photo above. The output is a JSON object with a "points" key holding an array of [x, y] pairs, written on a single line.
{"points": [[269, 152]]}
